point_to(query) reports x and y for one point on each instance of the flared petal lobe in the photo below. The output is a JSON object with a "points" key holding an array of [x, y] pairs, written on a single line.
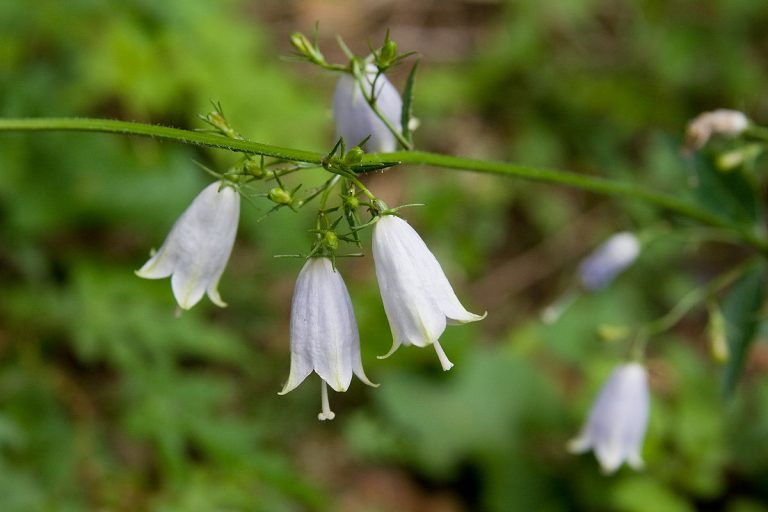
{"points": [[618, 420], [418, 299], [355, 120], [198, 247], [609, 260], [324, 336]]}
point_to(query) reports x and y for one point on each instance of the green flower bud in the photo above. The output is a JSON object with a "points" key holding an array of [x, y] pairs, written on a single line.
{"points": [[280, 196], [611, 333], [351, 202], [388, 54], [353, 156], [331, 240], [253, 168], [718, 344], [306, 48]]}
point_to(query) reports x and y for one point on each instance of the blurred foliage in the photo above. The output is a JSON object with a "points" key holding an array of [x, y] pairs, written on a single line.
{"points": [[107, 402]]}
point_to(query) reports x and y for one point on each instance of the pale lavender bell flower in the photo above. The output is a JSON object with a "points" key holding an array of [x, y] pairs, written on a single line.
{"points": [[355, 120], [618, 420], [324, 336], [724, 122], [418, 299], [610, 259], [198, 247]]}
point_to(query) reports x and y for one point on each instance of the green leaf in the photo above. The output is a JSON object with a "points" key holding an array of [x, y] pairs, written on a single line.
{"points": [[729, 194], [407, 113], [741, 310]]}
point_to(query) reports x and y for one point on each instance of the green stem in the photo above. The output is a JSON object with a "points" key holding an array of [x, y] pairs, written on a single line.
{"points": [[590, 183]]}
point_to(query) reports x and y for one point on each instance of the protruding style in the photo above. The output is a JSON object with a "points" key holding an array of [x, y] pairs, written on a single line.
{"points": [[418, 299], [197, 249], [324, 336]]}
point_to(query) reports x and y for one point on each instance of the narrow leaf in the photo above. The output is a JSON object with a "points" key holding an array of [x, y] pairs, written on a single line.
{"points": [[407, 113], [741, 310]]}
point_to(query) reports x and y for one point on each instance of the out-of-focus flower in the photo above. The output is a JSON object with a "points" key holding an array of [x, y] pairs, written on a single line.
{"points": [[196, 250], [724, 122], [618, 420], [609, 260], [355, 120], [418, 298], [324, 336]]}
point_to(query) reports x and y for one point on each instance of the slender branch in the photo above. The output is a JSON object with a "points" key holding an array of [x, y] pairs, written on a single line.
{"points": [[593, 184]]}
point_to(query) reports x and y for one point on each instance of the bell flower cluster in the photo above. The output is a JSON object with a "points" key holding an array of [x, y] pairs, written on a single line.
{"points": [[196, 250], [618, 420]]}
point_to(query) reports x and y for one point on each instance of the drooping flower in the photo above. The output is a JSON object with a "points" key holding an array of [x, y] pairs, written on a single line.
{"points": [[618, 420], [355, 120], [607, 261], [324, 336], [724, 122], [196, 250], [418, 299]]}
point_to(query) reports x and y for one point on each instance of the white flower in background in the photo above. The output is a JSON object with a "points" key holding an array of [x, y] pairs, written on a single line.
{"points": [[355, 120], [418, 298], [324, 336], [724, 122], [197, 249], [618, 420], [607, 261]]}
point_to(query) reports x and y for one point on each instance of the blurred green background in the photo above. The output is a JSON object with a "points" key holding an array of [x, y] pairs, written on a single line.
{"points": [[108, 402]]}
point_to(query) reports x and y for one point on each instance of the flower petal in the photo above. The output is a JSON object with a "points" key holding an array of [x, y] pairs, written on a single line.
{"points": [[196, 250]]}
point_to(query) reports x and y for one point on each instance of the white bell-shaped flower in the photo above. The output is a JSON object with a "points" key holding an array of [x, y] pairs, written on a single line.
{"points": [[723, 122], [607, 261], [618, 420], [197, 249], [355, 120], [324, 336], [418, 299]]}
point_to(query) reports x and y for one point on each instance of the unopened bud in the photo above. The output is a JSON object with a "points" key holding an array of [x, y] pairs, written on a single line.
{"points": [[331, 240], [353, 156], [351, 202], [610, 332], [731, 160], [253, 168], [280, 196], [306, 48], [718, 344], [387, 54]]}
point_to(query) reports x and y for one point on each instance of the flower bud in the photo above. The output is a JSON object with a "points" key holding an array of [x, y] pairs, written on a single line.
{"points": [[280, 196], [351, 203], [253, 168], [718, 344], [306, 48], [387, 54], [353, 156], [331, 240]]}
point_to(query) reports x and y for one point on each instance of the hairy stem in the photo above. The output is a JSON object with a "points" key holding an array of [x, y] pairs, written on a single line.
{"points": [[590, 183]]}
